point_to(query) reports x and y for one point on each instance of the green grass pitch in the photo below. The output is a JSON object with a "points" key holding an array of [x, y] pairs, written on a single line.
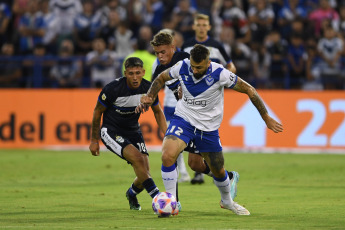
{"points": [[41, 189]]}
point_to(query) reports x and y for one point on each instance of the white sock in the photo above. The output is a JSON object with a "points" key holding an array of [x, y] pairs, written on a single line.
{"points": [[223, 185], [181, 165], [169, 176]]}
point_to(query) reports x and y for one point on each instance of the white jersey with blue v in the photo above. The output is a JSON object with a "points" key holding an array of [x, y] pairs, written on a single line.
{"points": [[202, 102]]}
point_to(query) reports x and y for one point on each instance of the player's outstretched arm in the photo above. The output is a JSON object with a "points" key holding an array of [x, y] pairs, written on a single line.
{"points": [[147, 100], [243, 87], [95, 127]]}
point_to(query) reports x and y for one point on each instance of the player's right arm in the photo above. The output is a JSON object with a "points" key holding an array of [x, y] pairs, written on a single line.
{"points": [[95, 128], [156, 85]]}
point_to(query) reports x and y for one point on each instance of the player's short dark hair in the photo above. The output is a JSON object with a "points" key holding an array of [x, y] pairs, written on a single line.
{"points": [[162, 38], [133, 62], [199, 53]]}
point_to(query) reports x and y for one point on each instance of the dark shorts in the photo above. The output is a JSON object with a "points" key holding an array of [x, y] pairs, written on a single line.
{"points": [[116, 142]]}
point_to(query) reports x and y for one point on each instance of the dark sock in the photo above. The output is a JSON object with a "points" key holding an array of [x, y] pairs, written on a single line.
{"points": [[134, 190], [151, 187], [207, 170]]}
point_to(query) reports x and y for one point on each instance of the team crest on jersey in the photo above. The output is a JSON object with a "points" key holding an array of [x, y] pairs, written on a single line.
{"points": [[104, 97], [209, 80], [119, 139]]}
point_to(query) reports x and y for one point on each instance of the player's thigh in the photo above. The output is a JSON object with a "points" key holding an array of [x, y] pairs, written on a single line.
{"points": [[195, 161], [127, 147], [177, 136]]}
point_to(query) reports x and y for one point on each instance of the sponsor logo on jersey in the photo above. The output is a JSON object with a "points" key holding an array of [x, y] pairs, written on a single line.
{"points": [[104, 97], [119, 139], [209, 80], [202, 103]]}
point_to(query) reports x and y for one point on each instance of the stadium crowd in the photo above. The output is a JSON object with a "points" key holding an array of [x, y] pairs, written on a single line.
{"points": [[274, 44]]}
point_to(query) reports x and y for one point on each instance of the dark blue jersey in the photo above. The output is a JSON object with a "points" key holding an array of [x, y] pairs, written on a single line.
{"points": [[217, 51], [178, 56], [121, 102]]}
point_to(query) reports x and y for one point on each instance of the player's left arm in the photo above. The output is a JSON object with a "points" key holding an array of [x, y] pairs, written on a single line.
{"points": [[243, 87], [160, 117]]}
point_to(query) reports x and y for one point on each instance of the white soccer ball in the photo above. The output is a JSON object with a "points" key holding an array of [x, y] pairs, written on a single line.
{"points": [[164, 204]]}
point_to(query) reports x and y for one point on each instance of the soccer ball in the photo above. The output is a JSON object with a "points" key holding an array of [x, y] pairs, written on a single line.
{"points": [[164, 204]]}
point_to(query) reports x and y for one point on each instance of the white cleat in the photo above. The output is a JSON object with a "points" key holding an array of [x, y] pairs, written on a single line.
{"points": [[184, 178], [235, 208]]}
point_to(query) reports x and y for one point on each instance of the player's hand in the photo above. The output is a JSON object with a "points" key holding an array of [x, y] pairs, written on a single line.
{"points": [[141, 108], [94, 148], [273, 125], [145, 103]]}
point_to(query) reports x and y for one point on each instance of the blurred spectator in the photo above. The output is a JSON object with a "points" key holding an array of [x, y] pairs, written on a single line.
{"points": [[298, 27], [296, 59], [51, 27], [182, 18], [85, 28], [342, 20], [5, 17], [276, 51], [330, 48], [155, 14], [324, 12], [36, 68], [107, 32], [239, 52], [19, 8], [31, 28], [65, 11], [145, 56], [260, 64], [145, 33], [102, 64], [313, 81], [102, 14], [290, 12], [124, 40], [232, 16], [178, 39], [204, 7], [67, 72], [261, 17], [10, 69]]}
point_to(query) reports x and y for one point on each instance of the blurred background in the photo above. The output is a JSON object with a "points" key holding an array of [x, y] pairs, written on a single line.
{"points": [[275, 44], [292, 51]]}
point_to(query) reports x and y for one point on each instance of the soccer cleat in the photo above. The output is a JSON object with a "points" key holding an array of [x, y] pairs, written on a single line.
{"points": [[133, 202], [177, 209], [184, 178], [198, 178], [235, 208], [233, 184]]}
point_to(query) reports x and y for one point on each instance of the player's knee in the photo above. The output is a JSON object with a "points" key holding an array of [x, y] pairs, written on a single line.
{"points": [[138, 160], [168, 158]]}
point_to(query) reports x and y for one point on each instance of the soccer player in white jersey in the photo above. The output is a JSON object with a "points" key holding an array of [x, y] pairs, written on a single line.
{"points": [[198, 116], [202, 26]]}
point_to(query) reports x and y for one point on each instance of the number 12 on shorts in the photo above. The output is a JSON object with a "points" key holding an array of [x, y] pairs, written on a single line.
{"points": [[175, 130]]}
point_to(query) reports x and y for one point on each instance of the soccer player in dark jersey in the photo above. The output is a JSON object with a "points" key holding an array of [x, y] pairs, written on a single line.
{"points": [[120, 131], [218, 54]]}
